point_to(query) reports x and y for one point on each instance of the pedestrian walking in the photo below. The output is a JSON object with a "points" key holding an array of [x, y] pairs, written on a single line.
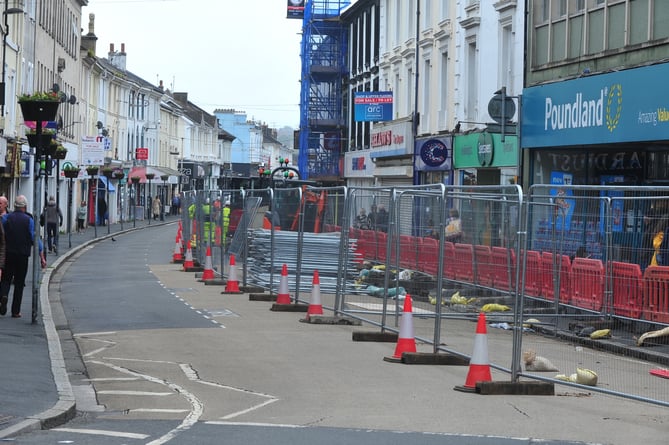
{"points": [[53, 219], [156, 205], [82, 211], [19, 228]]}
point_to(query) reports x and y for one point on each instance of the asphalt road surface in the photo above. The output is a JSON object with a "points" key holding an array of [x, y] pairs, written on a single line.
{"points": [[156, 357]]}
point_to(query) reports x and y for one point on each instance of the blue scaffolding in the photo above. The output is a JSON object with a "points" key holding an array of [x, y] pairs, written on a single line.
{"points": [[322, 123]]}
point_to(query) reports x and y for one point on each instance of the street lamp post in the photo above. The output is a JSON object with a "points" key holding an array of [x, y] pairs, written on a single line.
{"points": [[149, 177], [164, 200]]}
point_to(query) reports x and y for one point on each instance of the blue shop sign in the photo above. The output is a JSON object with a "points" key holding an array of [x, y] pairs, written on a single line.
{"points": [[625, 106]]}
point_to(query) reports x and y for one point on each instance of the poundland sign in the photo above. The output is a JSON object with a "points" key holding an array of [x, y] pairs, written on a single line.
{"points": [[626, 106]]}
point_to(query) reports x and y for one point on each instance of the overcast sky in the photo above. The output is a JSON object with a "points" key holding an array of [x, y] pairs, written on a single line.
{"points": [[241, 54]]}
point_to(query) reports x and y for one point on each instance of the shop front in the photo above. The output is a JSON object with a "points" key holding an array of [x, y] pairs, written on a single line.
{"points": [[484, 159], [605, 129]]}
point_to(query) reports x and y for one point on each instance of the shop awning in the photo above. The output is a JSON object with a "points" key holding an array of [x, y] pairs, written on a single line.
{"points": [[141, 171]]}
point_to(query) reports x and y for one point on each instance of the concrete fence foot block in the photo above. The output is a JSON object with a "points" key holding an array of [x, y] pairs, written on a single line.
{"points": [[322, 319], [289, 307], [425, 358], [529, 388], [387, 337], [215, 282], [262, 297], [251, 288]]}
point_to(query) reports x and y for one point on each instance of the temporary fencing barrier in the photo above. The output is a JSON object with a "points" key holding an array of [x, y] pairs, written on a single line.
{"points": [[506, 244]]}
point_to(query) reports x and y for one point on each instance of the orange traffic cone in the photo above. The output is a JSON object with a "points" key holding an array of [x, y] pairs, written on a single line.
{"points": [[188, 262], [208, 273], [406, 341], [232, 286], [177, 256], [315, 306], [282, 297], [479, 366]]}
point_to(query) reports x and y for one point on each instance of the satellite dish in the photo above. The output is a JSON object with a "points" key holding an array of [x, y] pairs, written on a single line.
{"points": [[99, 125], [63, 97], [55, 88], [73, 99], [105, 133]]}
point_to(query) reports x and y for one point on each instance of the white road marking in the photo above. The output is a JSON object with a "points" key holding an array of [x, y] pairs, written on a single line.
{"points": [[135, 393], [94, 334], [191, 419], [112, 379], [158, 410], [278, 425], [191, 374], [102, 433]]}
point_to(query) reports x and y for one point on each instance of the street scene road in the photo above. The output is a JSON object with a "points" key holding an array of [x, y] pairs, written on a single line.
{"points": [[154, 356]]}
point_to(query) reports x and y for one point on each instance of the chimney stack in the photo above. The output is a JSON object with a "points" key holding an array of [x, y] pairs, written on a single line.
{"points": [[89, 40], [117, 58]]}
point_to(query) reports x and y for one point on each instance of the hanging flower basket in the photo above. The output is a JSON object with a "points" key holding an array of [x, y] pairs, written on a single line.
{"points": [[107, 172], [164, 177], [119, 174], [60, 153], [71, 172], [135, 179], [92, 171], [40, 107], [150, 176]]}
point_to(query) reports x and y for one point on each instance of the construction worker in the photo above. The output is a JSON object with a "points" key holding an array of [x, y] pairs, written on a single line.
{"points": [[207, 226], [226, 220]]}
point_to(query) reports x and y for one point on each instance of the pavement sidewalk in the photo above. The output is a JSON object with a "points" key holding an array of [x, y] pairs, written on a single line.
{"points": [[35, 390]]}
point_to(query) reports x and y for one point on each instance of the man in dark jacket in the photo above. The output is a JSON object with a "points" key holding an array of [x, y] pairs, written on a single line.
{"points": [[19, 230], [54, 219]]}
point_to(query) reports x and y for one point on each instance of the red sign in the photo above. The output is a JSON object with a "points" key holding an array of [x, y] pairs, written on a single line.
{"points": [[142, 154]]}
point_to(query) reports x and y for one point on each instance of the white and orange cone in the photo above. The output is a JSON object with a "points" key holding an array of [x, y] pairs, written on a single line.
{"points": [[406, 341], [479, 366], [188, 262], [283, 297], [208, 273], [315, 305], [177, 256], [232, 286]]}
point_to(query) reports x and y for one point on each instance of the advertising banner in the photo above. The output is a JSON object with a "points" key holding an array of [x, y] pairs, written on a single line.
{"points": [[92, 150], [295, 9], [372, 106]]}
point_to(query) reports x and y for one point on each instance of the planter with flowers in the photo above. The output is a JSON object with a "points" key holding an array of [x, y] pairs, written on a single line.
{"points": [[91, 170], [164, 177], [107, 172], [60, 153], [150, 176], [118, 174], [71, 171], [40, 106], [135, 179], [41, 140]]}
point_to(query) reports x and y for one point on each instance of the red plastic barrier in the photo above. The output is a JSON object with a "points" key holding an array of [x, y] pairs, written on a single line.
{"points": [[463, 263], [407, 252], [381, 247], [627, 289], [328, 227], [483, 262], [503, 262], [587, 283], [449, 260], [428, 260], [368, 241], [532, 273], [549, 276], [656, 294]]}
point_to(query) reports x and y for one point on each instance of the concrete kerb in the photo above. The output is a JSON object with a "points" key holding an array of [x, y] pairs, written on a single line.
{"points": [[65, 408]]}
